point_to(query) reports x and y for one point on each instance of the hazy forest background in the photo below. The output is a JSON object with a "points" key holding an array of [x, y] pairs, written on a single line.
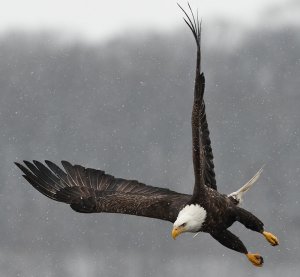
{"points": [[124, 106]]}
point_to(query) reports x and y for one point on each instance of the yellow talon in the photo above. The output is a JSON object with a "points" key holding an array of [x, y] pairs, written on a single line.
{"points": [[255, 259], [273, 240]]}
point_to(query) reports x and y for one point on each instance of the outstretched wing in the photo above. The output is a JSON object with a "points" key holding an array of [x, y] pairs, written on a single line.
{"points": [[89, 190], [202, 152]]}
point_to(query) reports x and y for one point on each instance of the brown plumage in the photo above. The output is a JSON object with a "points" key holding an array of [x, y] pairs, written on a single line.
{"points": [[89, 190]]}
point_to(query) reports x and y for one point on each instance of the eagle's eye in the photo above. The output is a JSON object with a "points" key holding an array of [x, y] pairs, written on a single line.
{"points": [[183, 224]]}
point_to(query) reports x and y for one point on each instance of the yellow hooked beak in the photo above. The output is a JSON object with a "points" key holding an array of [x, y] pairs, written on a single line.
{"points": [[177, 231]]}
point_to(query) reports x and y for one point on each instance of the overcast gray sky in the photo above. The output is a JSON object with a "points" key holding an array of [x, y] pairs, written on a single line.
{"points": [[98, 19]]}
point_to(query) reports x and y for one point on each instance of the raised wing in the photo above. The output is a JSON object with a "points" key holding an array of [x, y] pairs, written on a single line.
{"points": [[89, 190], [202, 152]]}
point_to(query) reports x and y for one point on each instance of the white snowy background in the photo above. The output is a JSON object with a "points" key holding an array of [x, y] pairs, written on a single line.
{"points": [[109, 85]]}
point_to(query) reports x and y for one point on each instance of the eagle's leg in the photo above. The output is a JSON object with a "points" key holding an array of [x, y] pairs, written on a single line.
{"points": [[231, 241], [253, 223]]}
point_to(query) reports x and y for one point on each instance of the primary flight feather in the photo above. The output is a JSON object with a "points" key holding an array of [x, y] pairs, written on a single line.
{"points": [[89, 190]]}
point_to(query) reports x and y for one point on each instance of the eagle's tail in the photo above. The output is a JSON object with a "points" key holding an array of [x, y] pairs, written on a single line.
{"points": [[237, 196]]}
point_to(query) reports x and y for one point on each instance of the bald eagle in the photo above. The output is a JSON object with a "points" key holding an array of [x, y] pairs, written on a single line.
{"points": [[89, 190]]}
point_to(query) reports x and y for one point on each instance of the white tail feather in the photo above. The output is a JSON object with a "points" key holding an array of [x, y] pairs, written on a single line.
{"points": [[238, 195]]}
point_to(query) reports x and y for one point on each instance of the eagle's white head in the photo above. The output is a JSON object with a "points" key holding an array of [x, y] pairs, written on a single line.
{"points": [[189, 219]]}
